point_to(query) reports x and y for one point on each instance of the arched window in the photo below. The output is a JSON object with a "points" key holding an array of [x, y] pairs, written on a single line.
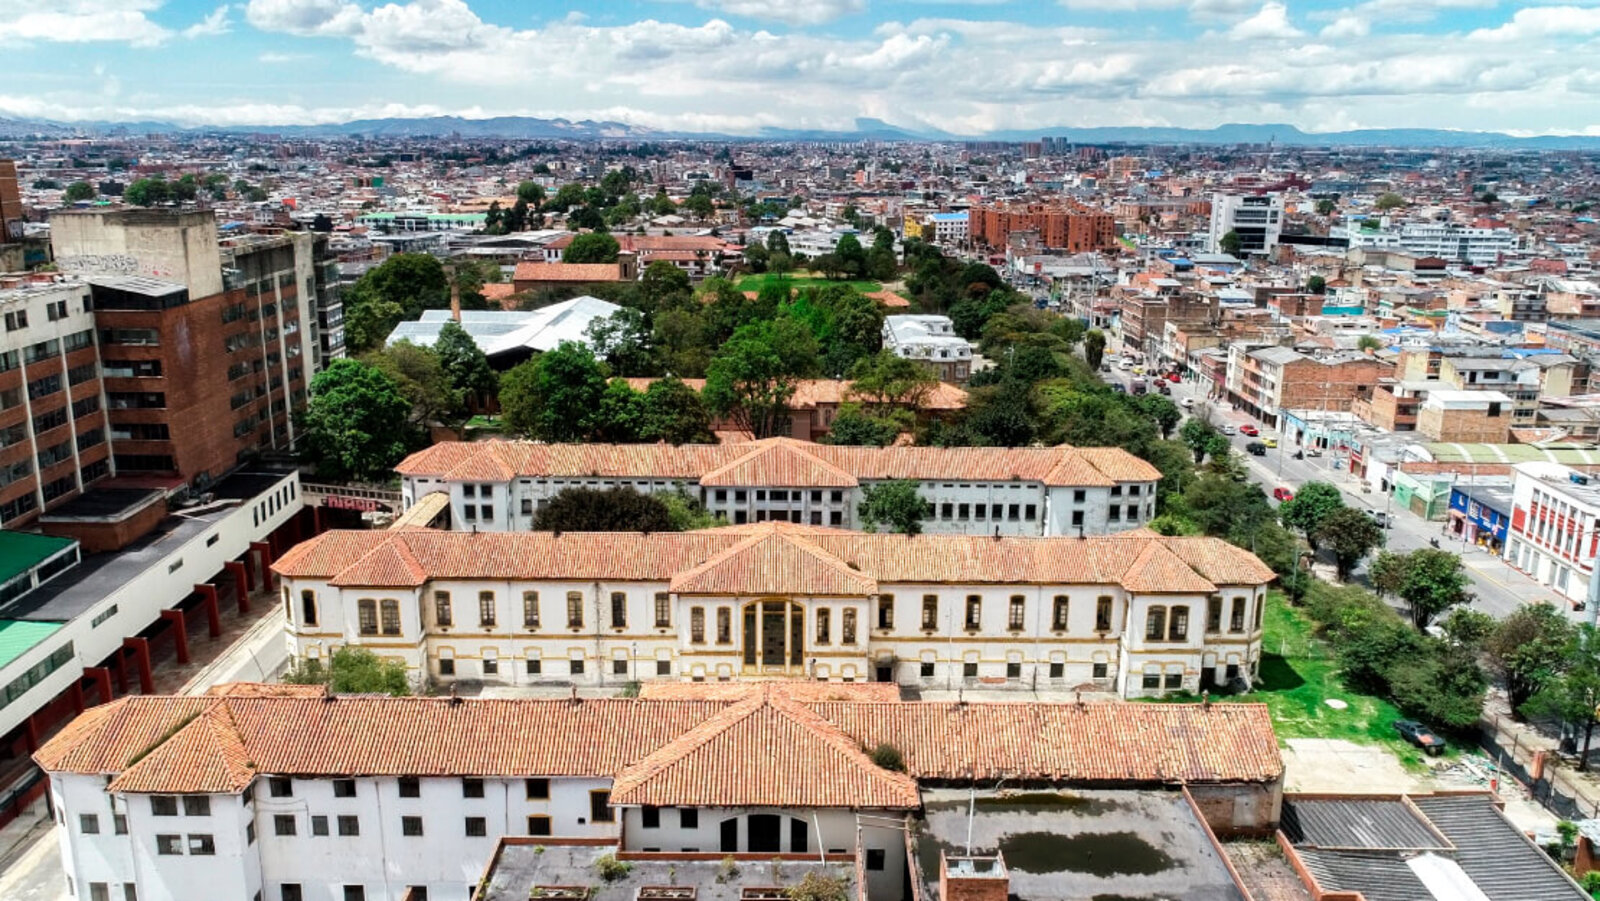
{"points": [[1178, 626], [367, 613], [1155, 624]]}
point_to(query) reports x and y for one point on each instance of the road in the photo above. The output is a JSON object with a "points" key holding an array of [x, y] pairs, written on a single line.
{"points": [[33, 871], [1499, 589]]}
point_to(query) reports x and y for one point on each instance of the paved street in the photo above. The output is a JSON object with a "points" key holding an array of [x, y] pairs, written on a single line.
{"points": [[1499, 588]]}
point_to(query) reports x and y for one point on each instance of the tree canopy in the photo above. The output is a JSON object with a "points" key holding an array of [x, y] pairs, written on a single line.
{"points": [[555, 396], [352, 670], [358, 424], [603, 510], [894, 504], [597, 247], [394, 291]]}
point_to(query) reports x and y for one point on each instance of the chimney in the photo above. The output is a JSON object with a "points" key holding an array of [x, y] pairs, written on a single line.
{"points": [[973, 878], [455, 295]]}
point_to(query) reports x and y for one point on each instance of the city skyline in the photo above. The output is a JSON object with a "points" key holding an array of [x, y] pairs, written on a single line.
{"points": [[736, 67]]}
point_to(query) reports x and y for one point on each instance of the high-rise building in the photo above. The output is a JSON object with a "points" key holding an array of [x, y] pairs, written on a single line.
{"points": [[1257, 220], [10, 204], [1061, 226]]}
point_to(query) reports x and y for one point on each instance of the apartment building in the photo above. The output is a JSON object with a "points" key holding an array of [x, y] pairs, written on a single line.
{"points": [[1555, 527], [10, 204], [932, 341], [1266, 381], [500, 485], [1440, 240], [1137, 615], [1066, 225], [279, 793], [1469, 417], [1257, 220]]}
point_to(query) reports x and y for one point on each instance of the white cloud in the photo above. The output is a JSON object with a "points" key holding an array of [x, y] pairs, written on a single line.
{"points": [[306, 18], [1271, 23], [212, 25], [789, 12], [1348, 26], [1543, 22], [81, 21]]}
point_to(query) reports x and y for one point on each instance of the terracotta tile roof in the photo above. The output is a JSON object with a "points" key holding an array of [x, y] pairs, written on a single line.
{"points": [[536, 271], [764, 751], [810, 393], [888, 299], [808, 692], [773, 746], [264, 690], [779, 557], [828, 465]]}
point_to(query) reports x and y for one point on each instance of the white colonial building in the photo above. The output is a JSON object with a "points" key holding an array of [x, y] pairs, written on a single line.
{"points": [[1136, 614], [931, 340], [500, 485], [280, 793]]}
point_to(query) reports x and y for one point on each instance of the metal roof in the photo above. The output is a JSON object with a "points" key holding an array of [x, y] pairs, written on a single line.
{"points": [[502, 331]]}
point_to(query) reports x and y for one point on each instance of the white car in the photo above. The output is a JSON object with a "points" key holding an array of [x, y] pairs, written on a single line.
{"points": [[1188, 403], [1229, 430]]}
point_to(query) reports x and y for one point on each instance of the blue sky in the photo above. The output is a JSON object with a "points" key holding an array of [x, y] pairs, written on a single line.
{"points": [[737, 65]]}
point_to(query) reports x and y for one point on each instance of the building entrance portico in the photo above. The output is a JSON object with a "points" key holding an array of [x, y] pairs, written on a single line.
{"points": [[774, 637]]}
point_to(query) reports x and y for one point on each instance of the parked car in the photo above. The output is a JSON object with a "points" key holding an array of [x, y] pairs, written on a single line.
{"points": [[1313, 452], [1119, 388], [1270, 441], [1105, 367], [1250, 430], [1162, 386], [1188, 403], [1229, 430], [1174, 378], [1381, 518], [1256, 448], [1282, 494], [1421, 736]]}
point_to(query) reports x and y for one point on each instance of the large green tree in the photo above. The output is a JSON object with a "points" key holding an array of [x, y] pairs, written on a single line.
{"points": [[1094, 347], [1351, 535], [394, 291], [1313, 503], [422, 381], [893, 504], [674, 413], [352, 670], [752, 378], [555, 396], [1528, 648], [597, 247], [1432, 582], [357, 423], [1202, 440], [79, 191], [1573, 692], [603, 510], [464, 364]]}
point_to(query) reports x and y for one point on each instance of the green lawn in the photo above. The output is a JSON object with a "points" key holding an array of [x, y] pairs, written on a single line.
{"points": [[1299, 673], [801, 280]]}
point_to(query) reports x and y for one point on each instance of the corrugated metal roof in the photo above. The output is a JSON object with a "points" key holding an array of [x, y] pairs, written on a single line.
{"points": [[1357, 823]]}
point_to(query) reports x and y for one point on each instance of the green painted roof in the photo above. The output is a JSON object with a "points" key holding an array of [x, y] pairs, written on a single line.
{"points": [[1513, 453], [17, 637], [22, 551]]}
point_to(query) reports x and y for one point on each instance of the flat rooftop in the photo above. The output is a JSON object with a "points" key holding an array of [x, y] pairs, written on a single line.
{"points": [[1065, 846], [522, 863], [103, 503], [17, 638], [22, 551]]}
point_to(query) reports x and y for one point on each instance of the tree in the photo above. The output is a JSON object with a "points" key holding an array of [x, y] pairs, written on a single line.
{"points": [[592, 248], [1527, 648], [531, 193], [1230, 243], [352, 670], [620, 417], [603, 510], [585, 217], [357, 423], [778, 242], [1389, 200], [464, 364], [1094, 347], [663, 284], [1468, 628], [1387, 573], [1433, 582], [147, 192], [851, 255], [890, 380], [1443, 684], [674, 413], [1161, 411], [1201, 439], [699, 206], [687, 513], [494, 219], [555, 396], [394, 291], [623, 340], [422, 381], [752, 378], [1572, 693], [1316, 284], [895, 504], [1351, 535], [855, 426], [1369, 342], [79, 191], [321, 223], [1326, 207], [1313, 503]]}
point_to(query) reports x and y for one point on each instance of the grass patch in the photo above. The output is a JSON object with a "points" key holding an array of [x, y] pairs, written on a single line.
{"points": [[1299, 672], [801, 280]]}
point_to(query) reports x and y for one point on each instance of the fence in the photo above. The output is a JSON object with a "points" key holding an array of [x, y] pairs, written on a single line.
{"points": [[1560, 790]]}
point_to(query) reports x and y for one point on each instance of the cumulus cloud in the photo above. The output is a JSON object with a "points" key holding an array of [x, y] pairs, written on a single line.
{"points": [[81, 21], [212, 25], [789, 12], [1542, 22], [1271, 23], [306, 18]]}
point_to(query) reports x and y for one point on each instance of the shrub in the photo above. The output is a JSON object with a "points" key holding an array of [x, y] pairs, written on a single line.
{"points": [[611, 869], [889, 757]]}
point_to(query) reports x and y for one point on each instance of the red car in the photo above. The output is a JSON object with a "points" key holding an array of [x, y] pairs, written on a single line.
{"points": [[1173, 377], [1282, 495], [1250, 430]]}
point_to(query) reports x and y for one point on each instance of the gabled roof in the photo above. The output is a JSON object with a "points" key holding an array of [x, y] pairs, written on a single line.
{"points": [[778, 462], [764, 751], [1160, 570], [772, 562]]}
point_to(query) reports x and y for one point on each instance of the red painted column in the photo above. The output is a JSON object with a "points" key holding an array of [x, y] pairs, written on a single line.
{"points": [[264, 549], [102, 678], [141, 657], [180, 632], [30, 734], [78, 705], [241, 583], [213, 608], [119, 670], [316, 521]]}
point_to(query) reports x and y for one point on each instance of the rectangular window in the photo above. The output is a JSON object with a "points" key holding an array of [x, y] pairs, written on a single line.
{"points": [[99, 891], [308, 607], [367, 610], [1016, 613], [88, 824], [1100, 670], [663, 610], [533, 666], [280, 787], [119, 824], [724, 625], [355, 893], [537, 789], [619, 667], [697, 625], [1058, 613], [1013, 671], [875, 858], [477, 827], [530, 610], [283, 824], [1236, 618], [538, 825], [576, 666], [1178, 625], [291, 892], [471, 788], [574, 610], [1151, 680], [390, 616], [411, 826], [619, 610], [925, 670], [930, 612], [441, 608], [344, 788], [1174, 680], [688, 818], [486, 609], [1102, 614], [349, 825], [410, 787], [169, 845], [600, 807], [163, 806], [1058, 670], [319, 825], [886, 611], [202, 845], [447, 667], [650, 817], [1213, 614], [824, 626], [847, 627], [974, 617]]}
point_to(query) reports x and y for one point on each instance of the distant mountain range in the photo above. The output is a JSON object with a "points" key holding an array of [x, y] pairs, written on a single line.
{"points": [[527, 128]]}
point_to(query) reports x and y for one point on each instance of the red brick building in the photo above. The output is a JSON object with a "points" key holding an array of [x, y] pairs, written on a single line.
{"points": [[1061, 226]]}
